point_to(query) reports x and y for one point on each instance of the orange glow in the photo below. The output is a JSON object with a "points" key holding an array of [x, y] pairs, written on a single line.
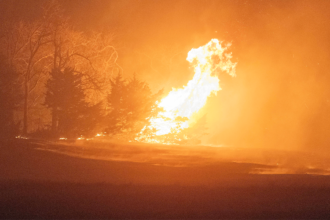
{"points": [[180, 104]]}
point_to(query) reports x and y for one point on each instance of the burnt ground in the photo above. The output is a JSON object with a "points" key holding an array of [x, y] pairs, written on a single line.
{"points": [[41, 184]]}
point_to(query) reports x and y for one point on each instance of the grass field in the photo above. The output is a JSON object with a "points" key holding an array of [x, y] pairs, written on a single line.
{"points": [[47, 180]]}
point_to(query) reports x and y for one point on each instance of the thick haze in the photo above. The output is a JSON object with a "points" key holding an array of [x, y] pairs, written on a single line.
{"points": [[280, 97]]}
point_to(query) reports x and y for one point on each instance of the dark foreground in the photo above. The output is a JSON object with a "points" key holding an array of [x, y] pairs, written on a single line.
{"points": [[68, 200], [38, 184]]}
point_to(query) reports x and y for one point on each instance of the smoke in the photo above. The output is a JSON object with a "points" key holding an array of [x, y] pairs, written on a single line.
{"points": [[280, 97], [279, 100]]}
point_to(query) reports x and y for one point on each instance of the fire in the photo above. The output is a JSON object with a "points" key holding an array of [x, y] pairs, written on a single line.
{"points": [[180, 104]]}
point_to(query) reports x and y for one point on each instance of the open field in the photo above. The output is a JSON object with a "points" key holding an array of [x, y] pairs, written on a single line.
{"points": [[246, 159], [38, 183]]}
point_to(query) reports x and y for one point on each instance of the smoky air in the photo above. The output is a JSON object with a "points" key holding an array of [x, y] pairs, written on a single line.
{"points": [[164, 109]]}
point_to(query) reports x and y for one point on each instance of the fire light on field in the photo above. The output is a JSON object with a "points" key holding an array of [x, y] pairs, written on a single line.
{"points": [[180, 104]]}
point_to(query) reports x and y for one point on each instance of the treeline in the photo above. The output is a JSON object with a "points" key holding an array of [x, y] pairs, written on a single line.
{"points": [[56, 81]]}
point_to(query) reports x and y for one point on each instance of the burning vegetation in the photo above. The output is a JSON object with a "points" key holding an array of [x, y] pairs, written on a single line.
{"points": [[132, 112], [173, 123], [132, 109], [73, 88], [67, 82]]}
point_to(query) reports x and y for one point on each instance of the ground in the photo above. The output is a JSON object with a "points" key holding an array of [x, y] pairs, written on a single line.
{"points": [[39, 183]]}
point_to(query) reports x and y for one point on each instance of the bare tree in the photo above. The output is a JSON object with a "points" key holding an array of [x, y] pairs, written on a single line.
{"points": [[92, 56], [36, 48], [25, 44]]}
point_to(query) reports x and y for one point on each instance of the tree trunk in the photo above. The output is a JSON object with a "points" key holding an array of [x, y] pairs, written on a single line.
{"points": [[54, 120], [25, 110]]}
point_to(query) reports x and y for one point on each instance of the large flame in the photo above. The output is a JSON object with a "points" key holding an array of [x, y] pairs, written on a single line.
{"points": [[181, 104]]}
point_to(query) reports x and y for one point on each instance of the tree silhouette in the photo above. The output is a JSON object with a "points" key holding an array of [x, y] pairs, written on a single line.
{"points": [[131, 104], [117, 105], [141, 104], [10, 97], [65, 96]]}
